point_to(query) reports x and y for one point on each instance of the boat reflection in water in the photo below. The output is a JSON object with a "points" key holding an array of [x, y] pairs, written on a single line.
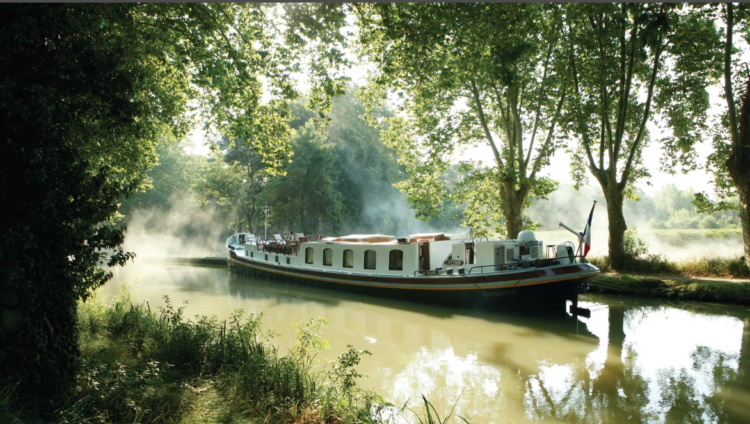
{"points": [[631, 361]]}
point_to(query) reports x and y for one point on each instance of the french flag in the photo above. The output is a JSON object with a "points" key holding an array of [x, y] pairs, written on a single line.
{"points": [[587, 233]]}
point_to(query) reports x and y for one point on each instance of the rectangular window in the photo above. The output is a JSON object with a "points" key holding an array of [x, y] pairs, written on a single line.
{"points": [[348, 258], [288, 261], [309, 255], [370, 259], [396, 260], [327, 257]]}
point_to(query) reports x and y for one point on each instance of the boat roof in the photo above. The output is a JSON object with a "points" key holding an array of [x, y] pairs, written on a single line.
{"points": [[358, 236]]}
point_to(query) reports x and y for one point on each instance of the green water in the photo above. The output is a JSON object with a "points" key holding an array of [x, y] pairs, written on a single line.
{"points": [[634, 360]]}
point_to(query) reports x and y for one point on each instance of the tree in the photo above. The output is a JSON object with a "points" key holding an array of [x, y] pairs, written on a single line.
{"points": [[234, 180], [305, 198], [467, 74], [728, 163], [86, 90], [619, 53], [367, 169], [170, 178]]}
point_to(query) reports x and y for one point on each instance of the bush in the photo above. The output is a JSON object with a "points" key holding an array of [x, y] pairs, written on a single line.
{"points": [[709, 222]]}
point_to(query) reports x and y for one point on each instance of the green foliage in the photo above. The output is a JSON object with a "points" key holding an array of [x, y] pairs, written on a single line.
{"points": [[634, 246], [725, 129], [86, 92], [625, 60], [233, 182], [462, 85], [348, 164], [685, 237], [305, 198]]}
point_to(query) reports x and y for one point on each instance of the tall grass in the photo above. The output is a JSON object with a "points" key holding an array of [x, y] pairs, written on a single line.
{"points": [[639, 261], [141, 365], [694, 267]]}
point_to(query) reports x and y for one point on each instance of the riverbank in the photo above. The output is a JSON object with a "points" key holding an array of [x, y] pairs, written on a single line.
{"points": [[140, 365], [729, 291]]}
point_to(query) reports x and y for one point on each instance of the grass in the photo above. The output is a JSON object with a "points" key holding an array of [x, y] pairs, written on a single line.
{"points": [[695, 267], [640, 262], [143, 366], [702, 291], [139, 365], [681, 237]]}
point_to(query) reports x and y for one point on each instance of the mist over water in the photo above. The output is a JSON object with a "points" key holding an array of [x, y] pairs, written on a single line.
{"points": [[573, 207], [191, 231], [183, 230]]}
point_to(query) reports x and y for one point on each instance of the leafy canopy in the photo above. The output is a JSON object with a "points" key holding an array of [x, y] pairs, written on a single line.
{"points": [[465, 75]]}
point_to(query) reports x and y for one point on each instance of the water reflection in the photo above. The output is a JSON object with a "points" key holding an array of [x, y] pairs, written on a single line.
{"points": [[631, 361]]}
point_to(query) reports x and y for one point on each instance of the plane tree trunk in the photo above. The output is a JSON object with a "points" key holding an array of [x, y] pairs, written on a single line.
{"points": [[614, 194], [514, 202], [738, 165]]}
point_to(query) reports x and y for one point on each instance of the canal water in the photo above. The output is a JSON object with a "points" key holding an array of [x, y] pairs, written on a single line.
{"points": [[633, 360]]}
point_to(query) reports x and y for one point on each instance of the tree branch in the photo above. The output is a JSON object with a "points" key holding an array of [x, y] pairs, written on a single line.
{"points": [[584, 133], [601, 144], [500, 104], [517, 141], [639, 136], [483, 121], [548, 142], [626, 92], [728, 76], [605, 98], [539, 103]]}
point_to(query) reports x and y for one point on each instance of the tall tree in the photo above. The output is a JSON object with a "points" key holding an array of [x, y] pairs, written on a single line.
{"points": [[728, 163], [468, 74], [305, 199], [234, 180], [85, 92], [619, 55], [169, 179]]}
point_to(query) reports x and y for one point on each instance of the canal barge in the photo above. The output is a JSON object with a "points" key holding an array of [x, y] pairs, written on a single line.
{"points": [[428, 267]]}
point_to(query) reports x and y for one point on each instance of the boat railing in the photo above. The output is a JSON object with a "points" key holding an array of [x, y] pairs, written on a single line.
{"points": [[526, 264], [480, 269]]}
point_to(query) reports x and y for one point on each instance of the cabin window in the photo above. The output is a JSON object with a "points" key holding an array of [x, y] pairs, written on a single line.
{"points": [[348, 258], [396, 260], [327, 257], [309, 254], [369, 259], [266, 256], [288, 261], [277, 258], [251, 254]]}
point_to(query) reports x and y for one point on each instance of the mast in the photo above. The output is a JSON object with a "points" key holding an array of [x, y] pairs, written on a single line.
{"points": [[265, 229]]}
